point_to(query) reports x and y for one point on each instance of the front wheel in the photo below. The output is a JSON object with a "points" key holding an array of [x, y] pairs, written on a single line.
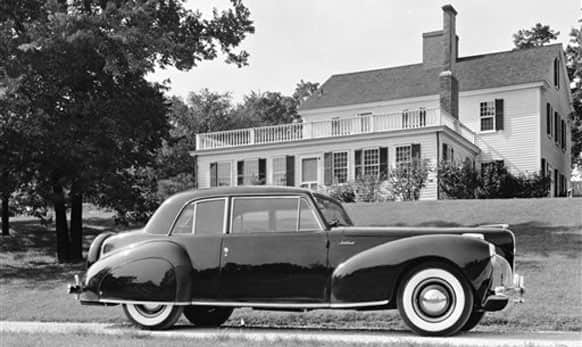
{"points": [[153, 316], [434, 299], [207, 316]]}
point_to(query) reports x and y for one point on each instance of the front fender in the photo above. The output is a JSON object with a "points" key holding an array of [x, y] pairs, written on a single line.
{"points": [[156, 270], [374, 274]]}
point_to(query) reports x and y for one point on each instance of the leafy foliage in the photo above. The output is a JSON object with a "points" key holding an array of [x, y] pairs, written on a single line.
{"points": [[458, 182], [79, 70], [493, 182], [408, 180], [536, 36]]}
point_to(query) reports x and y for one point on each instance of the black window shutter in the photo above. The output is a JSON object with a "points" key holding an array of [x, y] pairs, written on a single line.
{"points": [[290, 170], [213, 174], [415, 148], [327, 169], [240, 172], [548, 119], [358, 164], [498, 114], [556, 126], [543, 169], [563, 134], [262, 171], [383, 162], [445, 152]]}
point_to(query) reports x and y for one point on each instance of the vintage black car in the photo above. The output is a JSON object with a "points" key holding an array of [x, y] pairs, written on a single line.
{"points": [[204, 253]]}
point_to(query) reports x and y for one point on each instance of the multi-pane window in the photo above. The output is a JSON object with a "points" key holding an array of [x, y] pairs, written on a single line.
{"points": [[371, 162], [487, 115], [223, 172], [340, 167], [280, 171], [403, 156]]}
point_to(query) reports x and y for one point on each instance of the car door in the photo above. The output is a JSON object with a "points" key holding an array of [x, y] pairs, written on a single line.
{"points": [[199, 229], [275, 251]]}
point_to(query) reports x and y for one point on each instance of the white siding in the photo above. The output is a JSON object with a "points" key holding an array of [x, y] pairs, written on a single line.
{"points": [[518, 143], [427, 141]]}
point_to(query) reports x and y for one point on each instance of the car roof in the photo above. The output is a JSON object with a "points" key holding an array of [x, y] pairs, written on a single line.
{"points": [[239, 190]]}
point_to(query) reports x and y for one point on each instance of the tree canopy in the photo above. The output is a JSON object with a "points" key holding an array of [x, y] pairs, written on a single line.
{"points": [[79, 68], [536, 36]]}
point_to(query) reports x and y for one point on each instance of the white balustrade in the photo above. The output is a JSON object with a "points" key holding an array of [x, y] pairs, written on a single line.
{"points": [[411, 119]]}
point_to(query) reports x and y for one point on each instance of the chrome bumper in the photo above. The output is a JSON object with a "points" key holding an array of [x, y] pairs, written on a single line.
{"points": [[516, 291], [76, 287], [505, 283]]}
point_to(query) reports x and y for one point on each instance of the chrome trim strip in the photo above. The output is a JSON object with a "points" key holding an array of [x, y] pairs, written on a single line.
{"points": [[253, 304]]}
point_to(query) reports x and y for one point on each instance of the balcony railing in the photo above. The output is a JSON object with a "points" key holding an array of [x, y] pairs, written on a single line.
{"points": [[413, 119]]}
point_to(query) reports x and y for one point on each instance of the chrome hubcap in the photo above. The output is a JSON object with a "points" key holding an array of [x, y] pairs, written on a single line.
{"points": [[149, 309], [433, 300]]}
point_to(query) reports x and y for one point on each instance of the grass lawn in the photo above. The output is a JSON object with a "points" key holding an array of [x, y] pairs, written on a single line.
{"points": [[549, 245]]}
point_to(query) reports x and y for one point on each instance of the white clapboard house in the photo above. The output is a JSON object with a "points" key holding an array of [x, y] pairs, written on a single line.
{"points": [[510, 106]]}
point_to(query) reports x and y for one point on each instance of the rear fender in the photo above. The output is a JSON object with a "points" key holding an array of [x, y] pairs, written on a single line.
{"points": [[374, 274], [95, 248], [153, 270]]}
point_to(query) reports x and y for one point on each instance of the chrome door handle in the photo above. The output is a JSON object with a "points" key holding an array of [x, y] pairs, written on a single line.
{"points": [[347, 243], [226, 251]]}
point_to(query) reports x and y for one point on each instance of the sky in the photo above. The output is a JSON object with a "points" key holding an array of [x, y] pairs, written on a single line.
{"points": [[313, 39]]}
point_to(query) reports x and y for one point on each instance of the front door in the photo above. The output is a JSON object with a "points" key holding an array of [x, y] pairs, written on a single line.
{"points": [[309, 173], [275, 252]]}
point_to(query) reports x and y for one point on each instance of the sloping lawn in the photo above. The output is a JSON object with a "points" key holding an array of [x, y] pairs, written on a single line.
{"points": [[549, 245]]}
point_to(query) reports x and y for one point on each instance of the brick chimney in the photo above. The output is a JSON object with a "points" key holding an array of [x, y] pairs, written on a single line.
{"points": [[439, 50]]}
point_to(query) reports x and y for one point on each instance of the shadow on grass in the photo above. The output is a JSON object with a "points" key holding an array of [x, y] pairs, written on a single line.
{"points": [[29, 253]]}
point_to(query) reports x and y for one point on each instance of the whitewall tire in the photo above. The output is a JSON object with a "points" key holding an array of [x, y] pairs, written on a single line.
{"points": [[434, 299], [153, 316]]}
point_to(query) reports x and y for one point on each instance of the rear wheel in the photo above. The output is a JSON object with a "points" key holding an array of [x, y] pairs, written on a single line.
{"points": [[434, 299], [474, 319], [153, 316], [207, 316]]}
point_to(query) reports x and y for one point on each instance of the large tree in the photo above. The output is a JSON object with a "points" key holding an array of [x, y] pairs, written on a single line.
{"points": [[536, 36], [81, 65]]}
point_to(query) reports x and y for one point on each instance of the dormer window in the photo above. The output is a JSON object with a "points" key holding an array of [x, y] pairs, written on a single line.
{"points": [[557, 73]]}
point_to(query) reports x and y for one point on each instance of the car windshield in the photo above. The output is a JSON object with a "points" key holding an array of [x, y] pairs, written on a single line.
{"points": [[332, 211]]}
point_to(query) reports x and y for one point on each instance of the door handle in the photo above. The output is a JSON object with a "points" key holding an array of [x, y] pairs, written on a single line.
{"points": [[225, 251], [347, 243]]}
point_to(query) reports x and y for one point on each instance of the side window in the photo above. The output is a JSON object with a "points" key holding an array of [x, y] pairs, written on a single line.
{"points": [[209, 217], [307, 221], [184, 223], [264, 215]]}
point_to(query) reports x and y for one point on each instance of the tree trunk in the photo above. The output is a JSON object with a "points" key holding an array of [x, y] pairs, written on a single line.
{"points": [[5, 215], [76, 226], [61, 223]]}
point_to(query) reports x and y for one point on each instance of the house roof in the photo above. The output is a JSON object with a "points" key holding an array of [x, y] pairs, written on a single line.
{"points": [[473, 72]]}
